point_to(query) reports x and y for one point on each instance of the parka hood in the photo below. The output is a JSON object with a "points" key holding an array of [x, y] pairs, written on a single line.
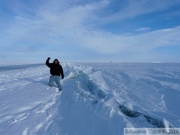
{"points": [[56, 60]]}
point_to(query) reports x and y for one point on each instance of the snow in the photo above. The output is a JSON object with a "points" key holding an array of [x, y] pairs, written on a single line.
{"points": [[97, 98]]}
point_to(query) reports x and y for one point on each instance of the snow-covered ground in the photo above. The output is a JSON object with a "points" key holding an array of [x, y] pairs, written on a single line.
{"points": [[97, 99]]}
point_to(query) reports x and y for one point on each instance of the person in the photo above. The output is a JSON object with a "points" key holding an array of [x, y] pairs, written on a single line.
{"points": [[56, 71]]}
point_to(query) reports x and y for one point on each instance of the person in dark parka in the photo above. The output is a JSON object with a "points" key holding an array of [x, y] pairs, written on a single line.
{"points": [[56, 71]]}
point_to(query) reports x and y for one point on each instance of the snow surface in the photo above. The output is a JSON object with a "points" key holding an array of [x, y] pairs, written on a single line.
{"points": [[97, 99]]}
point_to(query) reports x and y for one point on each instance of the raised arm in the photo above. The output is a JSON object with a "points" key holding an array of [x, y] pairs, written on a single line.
{"points": [[47, 62]]}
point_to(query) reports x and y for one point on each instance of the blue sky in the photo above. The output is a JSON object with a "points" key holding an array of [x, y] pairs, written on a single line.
{"points": [[89, 30]]}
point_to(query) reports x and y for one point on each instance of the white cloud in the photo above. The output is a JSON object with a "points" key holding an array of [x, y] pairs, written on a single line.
{"points": [[143, 29], [58, 24], [108, 43], [133, 8], [69, 28]]}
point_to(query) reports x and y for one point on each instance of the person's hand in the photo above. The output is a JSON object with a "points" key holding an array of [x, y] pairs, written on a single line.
{"points": [[48, 58]]}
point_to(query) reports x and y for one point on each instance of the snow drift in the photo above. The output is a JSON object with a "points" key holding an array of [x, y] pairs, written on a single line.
{"points": [[97, 98]]}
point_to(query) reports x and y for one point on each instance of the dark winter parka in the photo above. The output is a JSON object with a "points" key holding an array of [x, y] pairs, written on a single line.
{"points": [[55, 69]]}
